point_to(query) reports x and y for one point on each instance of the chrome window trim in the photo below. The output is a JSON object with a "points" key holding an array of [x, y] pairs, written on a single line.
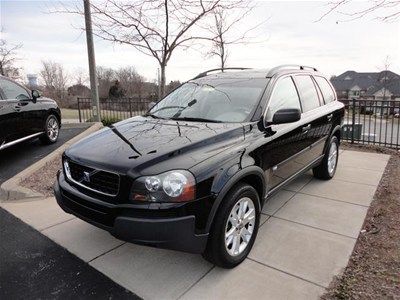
{"points": [[68, 174]]}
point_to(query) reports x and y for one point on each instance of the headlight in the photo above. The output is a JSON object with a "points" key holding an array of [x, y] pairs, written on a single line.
{"points": [[172, 186]]}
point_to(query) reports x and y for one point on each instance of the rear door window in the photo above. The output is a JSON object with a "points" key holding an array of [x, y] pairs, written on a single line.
{"points": [[308, 92], [326, 89], [283, 96]]}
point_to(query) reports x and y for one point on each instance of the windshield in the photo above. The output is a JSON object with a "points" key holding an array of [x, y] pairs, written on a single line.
{"points": [[211, 100]]}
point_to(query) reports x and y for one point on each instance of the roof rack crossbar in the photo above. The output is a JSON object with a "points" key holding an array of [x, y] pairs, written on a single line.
{"points": [[218, 69], [274, 70]]}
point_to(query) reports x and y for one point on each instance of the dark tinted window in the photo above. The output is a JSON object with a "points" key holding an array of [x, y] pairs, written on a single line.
{"points": [[284, 95], [12, 90], [326, 89], [308, 93]]}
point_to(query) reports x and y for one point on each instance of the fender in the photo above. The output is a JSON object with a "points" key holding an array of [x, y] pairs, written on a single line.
{"points": [[250, 170], [335, 129]]}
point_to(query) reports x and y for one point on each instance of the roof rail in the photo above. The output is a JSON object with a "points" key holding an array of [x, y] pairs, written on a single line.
{"points": [[274, 70], [218, 69]]}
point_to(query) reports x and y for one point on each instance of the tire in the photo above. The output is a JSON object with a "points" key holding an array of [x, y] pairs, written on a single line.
{"points": [[224, 254], [327, 168], [51, 130]]}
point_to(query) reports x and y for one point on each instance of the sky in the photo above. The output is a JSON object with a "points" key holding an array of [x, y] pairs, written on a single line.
{"points": [[290, 35]]}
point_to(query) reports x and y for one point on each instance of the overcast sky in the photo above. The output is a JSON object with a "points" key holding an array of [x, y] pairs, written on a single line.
{"points": [[290, 35]]}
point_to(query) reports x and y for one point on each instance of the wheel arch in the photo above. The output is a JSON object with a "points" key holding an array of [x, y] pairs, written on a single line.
{"points": [[251, 175]]}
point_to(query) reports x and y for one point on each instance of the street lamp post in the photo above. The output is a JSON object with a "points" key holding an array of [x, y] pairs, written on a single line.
{"points": [[92, 62]]}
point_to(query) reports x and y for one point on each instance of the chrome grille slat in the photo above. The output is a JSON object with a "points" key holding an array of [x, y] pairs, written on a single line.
{"points": [[99, 181]]}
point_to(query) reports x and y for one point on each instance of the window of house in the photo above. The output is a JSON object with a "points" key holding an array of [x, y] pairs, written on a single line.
{"points": [[327, 92], [308, 92], [12, 90], [283, 96]]}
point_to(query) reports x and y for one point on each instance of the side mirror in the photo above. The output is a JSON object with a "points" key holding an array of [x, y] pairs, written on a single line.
{"points": [[35, 95], [287, 115]]}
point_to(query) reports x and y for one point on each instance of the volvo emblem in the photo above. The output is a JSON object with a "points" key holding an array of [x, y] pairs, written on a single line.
{"points": [[86, 176]]}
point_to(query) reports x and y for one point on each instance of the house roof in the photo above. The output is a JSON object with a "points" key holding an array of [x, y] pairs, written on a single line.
{"points": [[370, 82]]}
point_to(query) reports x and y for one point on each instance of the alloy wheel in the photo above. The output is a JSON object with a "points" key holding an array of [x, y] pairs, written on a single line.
{"points": [[332, 158], [52, 129], [240, 226]]}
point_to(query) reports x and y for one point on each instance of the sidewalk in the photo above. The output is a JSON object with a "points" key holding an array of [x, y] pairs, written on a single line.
{"points": [[307, 234]]}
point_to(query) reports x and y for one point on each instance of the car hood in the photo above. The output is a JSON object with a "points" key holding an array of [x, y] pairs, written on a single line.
{"points": [[145, 146]]}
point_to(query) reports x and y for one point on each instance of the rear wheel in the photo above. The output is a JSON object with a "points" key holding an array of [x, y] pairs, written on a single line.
{"points": [[52, 130], [235, 227], [326, 170]]}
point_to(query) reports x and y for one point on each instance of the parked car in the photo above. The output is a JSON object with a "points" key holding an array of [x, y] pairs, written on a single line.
{"points": [[24, 115], [194, 173]]}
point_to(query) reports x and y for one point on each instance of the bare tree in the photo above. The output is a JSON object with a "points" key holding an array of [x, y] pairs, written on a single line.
{"points": [[105, 78], [80, 76], [55, 80], [224, 23], [130, 81], [153, 27], [386, 77], [387, 10], [8, 57]]}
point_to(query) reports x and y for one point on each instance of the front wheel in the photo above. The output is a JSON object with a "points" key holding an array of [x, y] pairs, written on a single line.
{"points": [[51, 130], [235, 227], [327, 168]]}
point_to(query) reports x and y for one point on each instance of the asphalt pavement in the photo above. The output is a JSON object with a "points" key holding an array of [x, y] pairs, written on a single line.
{"points": [[34, 267], [31, 265], [17, 158]]}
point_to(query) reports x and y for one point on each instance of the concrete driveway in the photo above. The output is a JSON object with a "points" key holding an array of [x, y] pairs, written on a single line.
{"points": [[307, 233]]}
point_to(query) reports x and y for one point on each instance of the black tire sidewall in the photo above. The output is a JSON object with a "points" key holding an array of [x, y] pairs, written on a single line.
{"points": [[332, 140], [240, 191]]}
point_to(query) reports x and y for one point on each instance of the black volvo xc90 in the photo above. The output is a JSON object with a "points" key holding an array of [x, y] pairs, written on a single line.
{"points": [[194, 172]]}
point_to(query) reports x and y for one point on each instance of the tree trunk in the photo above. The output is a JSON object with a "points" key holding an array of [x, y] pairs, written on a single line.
{"points": [[162, 81]]}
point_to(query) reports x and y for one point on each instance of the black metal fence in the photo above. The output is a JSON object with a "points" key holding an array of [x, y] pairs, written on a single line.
{"points": [[113, 109], [373, 122], [366, 121]]}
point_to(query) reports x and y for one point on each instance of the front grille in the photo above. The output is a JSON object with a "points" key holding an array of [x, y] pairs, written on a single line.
{"points": [[97, 180]]}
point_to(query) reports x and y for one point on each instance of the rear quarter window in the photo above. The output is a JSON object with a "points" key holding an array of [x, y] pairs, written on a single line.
{"points": [[326, 89], [308, 92]]}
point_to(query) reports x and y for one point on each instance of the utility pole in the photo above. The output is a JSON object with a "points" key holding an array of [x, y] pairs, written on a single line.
{"points": [[92, 62]]}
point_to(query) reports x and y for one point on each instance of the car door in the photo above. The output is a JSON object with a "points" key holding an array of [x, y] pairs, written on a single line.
{"points": [[314, 115], [283, 155], [5, 119], [20, 108]]}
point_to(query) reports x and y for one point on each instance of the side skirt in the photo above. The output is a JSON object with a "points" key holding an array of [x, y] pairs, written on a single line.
{"points": [[9, 144]]}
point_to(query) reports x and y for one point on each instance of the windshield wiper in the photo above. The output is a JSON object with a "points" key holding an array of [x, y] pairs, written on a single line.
{"points": [[195, 119], [154, 116]]}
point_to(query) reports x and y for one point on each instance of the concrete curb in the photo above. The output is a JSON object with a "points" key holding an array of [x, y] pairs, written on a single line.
{"points": [[11, 190]]}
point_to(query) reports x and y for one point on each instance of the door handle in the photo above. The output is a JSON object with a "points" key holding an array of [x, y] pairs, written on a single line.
{"points": [[306, 128], [329, 117], [17, 108]]}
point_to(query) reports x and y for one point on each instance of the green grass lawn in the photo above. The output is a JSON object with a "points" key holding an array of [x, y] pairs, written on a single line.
{"points": [[68, 113]]}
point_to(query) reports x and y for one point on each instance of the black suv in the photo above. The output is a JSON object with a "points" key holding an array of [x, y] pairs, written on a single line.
{"points": [[194, 172], [24, 115]]}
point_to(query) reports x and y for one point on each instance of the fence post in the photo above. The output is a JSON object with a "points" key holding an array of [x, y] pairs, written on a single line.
{"points": [[130, 107], [353, 119], [79, 111]]}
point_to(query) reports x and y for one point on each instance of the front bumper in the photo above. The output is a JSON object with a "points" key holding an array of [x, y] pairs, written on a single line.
{"points": [[177, 233]]}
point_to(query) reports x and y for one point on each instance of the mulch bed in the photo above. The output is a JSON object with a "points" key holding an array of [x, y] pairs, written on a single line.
{"points": [[373, 271], [42, 180]]}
